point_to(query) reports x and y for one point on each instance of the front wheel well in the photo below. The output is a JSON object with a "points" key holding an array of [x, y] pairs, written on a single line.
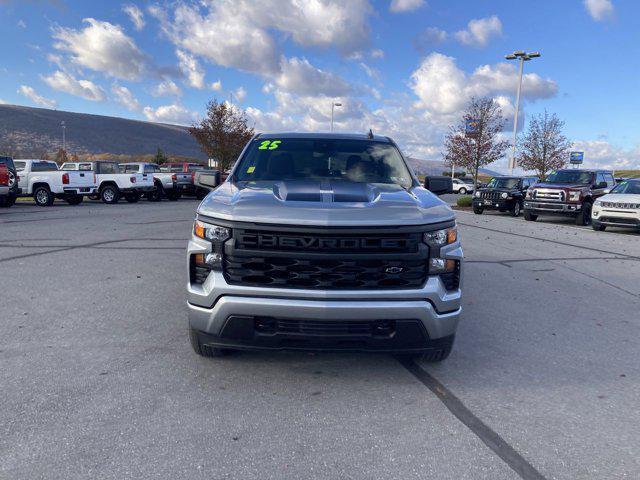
{"points": [[108, 184]]}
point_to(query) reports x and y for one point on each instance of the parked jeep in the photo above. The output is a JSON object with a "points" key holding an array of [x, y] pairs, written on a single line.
{"points": [[505, 194], [569, 192], [620, 208]]}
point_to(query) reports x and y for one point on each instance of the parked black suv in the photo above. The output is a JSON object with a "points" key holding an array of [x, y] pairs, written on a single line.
{"points": [[503, 194], [13, 191]]}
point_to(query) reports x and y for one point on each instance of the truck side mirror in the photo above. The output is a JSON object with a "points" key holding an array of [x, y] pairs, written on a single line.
{"points": [[602, 185], [438, 185], [207, 179]]}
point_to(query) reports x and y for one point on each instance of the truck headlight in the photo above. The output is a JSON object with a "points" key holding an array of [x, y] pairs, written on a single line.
{"points": [[477, 194], [440, 238], [504, 195], [574, 196], [441, 265], [207, 231], [597, 203]]}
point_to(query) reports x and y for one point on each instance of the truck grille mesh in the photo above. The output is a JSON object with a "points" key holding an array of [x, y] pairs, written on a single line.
{"points": [[325, 273]]}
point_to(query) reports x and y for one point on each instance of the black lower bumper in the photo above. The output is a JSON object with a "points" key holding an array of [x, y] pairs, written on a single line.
{"points": [[492, 204], [623, 222], [268, 333]]}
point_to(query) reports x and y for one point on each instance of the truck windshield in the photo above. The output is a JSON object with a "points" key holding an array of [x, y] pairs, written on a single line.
{"points": [[503, 183], [630, 188], [570, 176], [362, 161]]}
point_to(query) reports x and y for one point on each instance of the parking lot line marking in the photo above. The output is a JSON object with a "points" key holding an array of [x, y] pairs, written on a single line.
{"points": [[491, 439], [557, 242]]}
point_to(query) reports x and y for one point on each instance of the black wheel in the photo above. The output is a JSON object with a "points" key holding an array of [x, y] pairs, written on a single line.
{"points": [[598, 227], [132, 197], [157, 194], [73, 199], [173, 195], [584, 218], [205, 350], [43, 196], [110, 194], [530, 217], [8, 201], [478, 210], [462, 191], [515, 210]]}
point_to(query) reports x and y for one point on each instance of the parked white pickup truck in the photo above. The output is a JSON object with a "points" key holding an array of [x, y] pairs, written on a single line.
{"points": [[42, 180], [167, 184], [112, 183]]}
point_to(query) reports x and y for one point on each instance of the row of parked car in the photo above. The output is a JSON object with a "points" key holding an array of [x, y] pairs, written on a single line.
{"points": [[105, 180], [591, 197]]}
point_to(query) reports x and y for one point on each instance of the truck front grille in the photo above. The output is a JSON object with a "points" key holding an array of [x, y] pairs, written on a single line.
{"points": [[621, 206], [491, 195], [552, 195], [325, 273], [340, 260]]}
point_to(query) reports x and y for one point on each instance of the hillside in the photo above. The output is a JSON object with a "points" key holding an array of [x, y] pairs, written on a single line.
{"points": [[29, 132]]}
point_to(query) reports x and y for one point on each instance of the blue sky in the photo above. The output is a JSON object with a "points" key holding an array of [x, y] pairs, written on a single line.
{"points": [[405, 68]]}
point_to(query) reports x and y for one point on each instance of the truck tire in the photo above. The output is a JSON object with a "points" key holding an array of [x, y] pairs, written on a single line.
{"points": [[157, 194], [598, 227], [110, 194], [478, 210], [73, 199], [515, 210], [462, 191], [173, 195], [132, 197], [530, 217], [43, 196], [584, 217], [201, 193], [205, 350]]}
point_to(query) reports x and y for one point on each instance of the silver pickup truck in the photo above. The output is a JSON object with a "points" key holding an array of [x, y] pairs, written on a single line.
{"points": [[324, 242]]}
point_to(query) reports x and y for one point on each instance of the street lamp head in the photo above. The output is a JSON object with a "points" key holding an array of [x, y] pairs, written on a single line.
{"points": [[337, 104], [510, 57], [519, 53], [534, 54]]}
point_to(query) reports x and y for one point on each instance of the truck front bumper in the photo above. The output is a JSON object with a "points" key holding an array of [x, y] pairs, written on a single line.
{"points": [[552, 208], [244, 317], [493, 204], [615, 218], [4, 190]]}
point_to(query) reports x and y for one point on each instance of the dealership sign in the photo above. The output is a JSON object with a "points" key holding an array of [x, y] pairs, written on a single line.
{"points": [[576, 158]]}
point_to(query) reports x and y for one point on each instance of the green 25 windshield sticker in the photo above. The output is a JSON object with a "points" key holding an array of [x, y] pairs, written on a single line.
{"points": [[269, 144]]}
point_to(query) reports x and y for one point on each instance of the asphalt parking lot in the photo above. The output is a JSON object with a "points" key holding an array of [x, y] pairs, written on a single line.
{"points": [[98, 379]]}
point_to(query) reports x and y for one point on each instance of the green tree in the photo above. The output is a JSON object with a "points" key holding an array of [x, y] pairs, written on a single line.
{"points": [[543, 147], [160, 157]]}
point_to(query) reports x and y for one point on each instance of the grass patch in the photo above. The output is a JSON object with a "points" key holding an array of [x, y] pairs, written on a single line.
{"points": [[465, 201]]}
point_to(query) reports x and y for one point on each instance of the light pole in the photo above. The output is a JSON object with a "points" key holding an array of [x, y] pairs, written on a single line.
{"points": [[64, 143], [523, 57], [333, 105]]}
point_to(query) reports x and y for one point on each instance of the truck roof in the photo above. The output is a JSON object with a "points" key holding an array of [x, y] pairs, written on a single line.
{"points": [[325, 136]]}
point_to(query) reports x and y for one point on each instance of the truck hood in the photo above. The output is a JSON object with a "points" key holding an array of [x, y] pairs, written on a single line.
{"points": [[621, 198], [560, 186], [324, 203]]}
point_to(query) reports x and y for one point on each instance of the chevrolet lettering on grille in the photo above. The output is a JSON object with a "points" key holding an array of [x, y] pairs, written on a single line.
{"points": [[324, 243]]}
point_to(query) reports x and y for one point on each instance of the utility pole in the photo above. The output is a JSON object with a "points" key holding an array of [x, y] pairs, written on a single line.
{"points": [[522, 57], [333, 105], [64, 142]]}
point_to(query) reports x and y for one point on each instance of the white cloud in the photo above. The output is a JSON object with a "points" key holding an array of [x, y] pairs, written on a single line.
{"points": [[299, 76], [599, 9], [191, 69], [166, 88], [238, 33], [602, 154], [124, 97], [3, 102], [371, 72], [64, 82], [31, 94], [103, 47], [479, 31], [377, 53], [433, 35], [21, 24], [399, 6], [135, 15], [216, 86], [240, 94], [443, 88], [173, 113]]}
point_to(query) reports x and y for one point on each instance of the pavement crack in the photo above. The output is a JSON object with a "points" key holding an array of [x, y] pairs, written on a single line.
{"points": [[489, 437]]}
